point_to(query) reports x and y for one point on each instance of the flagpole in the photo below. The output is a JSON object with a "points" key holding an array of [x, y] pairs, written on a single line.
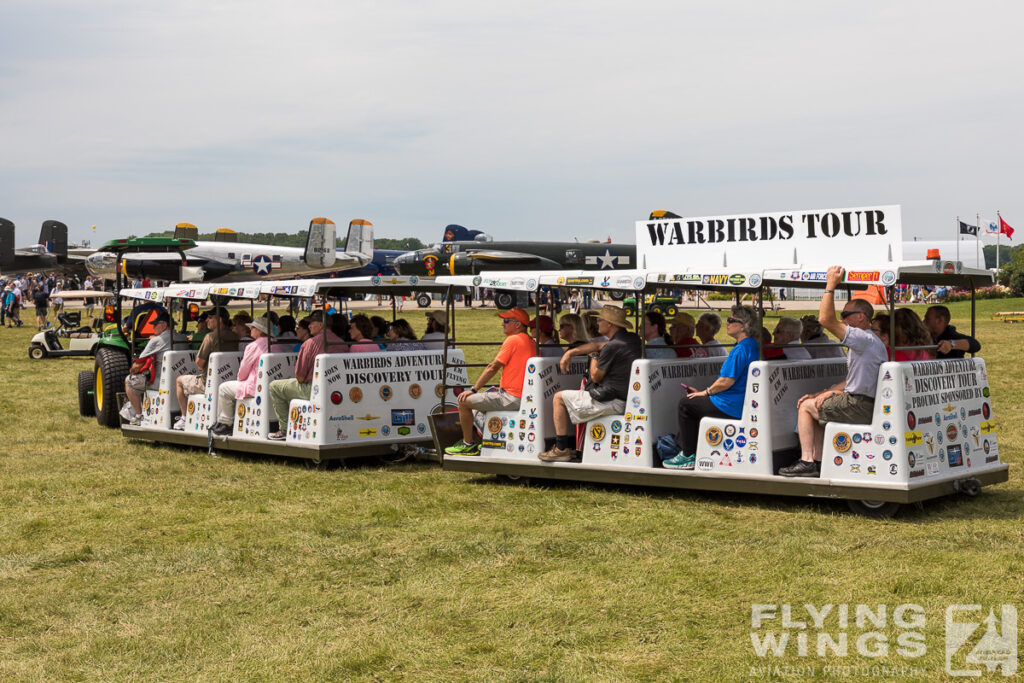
{"points": [[998, 235], [957, 238], [977, 240]]}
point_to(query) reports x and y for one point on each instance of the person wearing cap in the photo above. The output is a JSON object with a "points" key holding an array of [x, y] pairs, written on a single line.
{"points": [[708, 325], [437, 325], [543, 330], [245, 385], [952, 344], [610, 364], [681, 328], [723, 399], [817, 342], [144, 366], [511, 363], [282, 391], [220, 337], [195, 340]]}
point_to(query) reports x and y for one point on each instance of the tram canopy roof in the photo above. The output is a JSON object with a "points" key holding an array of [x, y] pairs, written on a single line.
{"points": [[397, 285]]}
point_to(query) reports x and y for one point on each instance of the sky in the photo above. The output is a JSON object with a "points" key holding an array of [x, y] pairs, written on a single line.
{"points": [[528, 120]]}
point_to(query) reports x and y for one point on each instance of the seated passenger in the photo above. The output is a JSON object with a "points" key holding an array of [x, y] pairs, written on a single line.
{"points": [[853, 399], [221, 337], [787, 333], [769, 351], [511, 363], [301, 333], [813, 333], [605, 394], [361, 331], [142, 370], [952, 344], [282, 391], [402, 337], [681, 327], [543, 331], [708, 325], [724, 398], [910, 331], [195, 339], [285, 337], [590, 321], [245, 385], [656, 336], [380, 327], [437, 325], [572, 331], [240, 326]]}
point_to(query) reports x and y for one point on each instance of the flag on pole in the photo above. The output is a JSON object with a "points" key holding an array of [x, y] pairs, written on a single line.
{"points": [[990, 227], [966, 229], [1005, 229]]}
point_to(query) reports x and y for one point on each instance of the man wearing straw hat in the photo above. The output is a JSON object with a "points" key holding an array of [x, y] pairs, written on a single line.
{"points": [[610, 364]]}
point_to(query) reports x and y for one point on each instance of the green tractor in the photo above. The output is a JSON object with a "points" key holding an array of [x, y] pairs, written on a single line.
{"points": [[668, 306], [98, 388]]}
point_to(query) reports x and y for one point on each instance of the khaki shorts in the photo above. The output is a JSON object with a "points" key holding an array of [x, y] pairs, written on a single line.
{"points": [[846, 407], [136, 382], [193, 384], [583, 408], [493, 400]]}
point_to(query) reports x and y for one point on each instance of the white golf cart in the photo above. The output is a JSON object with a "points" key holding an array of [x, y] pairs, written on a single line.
{"points": [[70, 337]]}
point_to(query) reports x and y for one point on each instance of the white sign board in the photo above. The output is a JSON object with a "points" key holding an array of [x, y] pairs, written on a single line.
{"points": [[845, 236]]}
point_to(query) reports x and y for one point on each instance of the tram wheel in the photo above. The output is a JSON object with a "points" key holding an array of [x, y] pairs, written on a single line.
{"points": [[513, 480], [876, 509]]}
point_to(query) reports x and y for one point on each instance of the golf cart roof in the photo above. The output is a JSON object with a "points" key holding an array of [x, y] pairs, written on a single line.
{"points": [[932, 272], [397, 285], [81, 294], [517, 280], [150, 244]]}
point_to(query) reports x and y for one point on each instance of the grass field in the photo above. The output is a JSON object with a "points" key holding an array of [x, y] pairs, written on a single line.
{"points": [[121, 560]]}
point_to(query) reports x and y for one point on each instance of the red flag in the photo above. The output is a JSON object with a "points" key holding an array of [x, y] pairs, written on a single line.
{"points": [[1005, 228]]}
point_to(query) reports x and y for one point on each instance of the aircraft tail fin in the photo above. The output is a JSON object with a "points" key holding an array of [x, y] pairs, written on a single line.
{"points": [[457, 233], [320, 243], [186, 231], [6, 242], [57, 239], [360, 240], [225, 235]]}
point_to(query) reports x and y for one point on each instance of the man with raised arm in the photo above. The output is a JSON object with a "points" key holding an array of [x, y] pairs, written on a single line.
{"points": [[850, 401]]}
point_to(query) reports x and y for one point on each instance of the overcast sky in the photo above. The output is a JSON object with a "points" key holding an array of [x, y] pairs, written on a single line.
{"points": [[533, 119]]}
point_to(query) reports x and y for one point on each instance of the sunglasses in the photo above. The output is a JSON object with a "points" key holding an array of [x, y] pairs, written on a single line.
{"points": [[731, 320], [846, 314], [506, 321]]}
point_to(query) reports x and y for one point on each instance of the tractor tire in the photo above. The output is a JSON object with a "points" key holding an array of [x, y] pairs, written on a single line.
{"points": [[37, 352], [111, 369], [86, 384], [423, 300], [670, 311], [504, 300]]}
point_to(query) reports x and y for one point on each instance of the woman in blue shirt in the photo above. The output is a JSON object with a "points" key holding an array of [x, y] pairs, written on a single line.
{"points": [[724, 398]]}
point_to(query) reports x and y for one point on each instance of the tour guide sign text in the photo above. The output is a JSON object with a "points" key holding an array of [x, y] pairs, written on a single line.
{"points": [[860, 236]]}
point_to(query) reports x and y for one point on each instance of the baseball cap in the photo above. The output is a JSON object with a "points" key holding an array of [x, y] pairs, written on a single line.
{"points": [[544, 322], [516, 314]]}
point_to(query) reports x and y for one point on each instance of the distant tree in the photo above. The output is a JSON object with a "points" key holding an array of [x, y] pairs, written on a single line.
{"points": [[1012, 274]]}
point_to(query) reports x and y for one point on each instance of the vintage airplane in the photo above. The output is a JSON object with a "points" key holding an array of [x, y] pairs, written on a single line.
{"points": [[50, 253], [225, 259], [465, 252]]}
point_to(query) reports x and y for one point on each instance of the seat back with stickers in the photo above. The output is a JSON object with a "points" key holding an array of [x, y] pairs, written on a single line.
{"points": [[253, 415], [361, 398], [768, 424], [201, 413], [161, 401], [655, 389], [933, 421], [523, 433]]}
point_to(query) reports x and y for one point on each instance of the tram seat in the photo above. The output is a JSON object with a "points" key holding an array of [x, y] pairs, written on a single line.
{"points": [[767, 425], [160, 401], [932, 419], [359, 398], [523, 433], [201, 412], [628, 440], [253, 415]]}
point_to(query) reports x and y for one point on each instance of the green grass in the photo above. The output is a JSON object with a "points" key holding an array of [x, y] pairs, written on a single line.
{"points": [[122, 560]]}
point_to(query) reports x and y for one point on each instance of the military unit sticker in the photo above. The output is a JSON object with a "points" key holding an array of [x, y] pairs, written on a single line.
{"points": [[597, 432], [714, 436]]}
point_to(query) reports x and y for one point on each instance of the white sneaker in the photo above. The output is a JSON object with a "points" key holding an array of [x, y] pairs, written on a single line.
{"points": [[179, 424], [126, 412], [136, 420]]}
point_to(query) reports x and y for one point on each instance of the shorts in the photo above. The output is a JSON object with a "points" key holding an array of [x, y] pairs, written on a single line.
{"points": [[493, 400], [41, 311], [193, 384], [136, 382], [848, 408], [583, 408]]}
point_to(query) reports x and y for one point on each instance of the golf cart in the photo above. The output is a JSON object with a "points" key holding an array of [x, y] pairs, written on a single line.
{"points": [[70, 338]]}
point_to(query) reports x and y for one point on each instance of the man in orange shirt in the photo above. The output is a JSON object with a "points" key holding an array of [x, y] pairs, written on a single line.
{"points": [[517, 348]]}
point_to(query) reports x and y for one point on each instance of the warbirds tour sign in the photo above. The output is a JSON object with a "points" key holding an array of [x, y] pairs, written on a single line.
{"points": [[857, 236]]}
